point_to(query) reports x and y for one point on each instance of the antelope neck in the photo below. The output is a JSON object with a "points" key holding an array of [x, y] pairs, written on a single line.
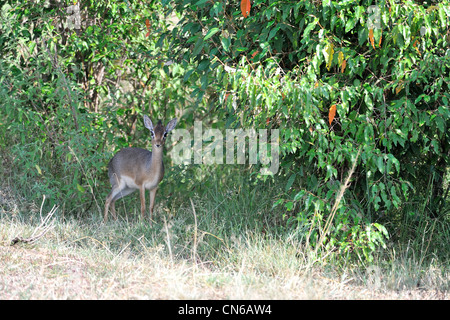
{"points": [[157, 158]]}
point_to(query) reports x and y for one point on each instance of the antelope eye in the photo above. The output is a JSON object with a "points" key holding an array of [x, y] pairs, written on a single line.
{"points": [[165, 134]]}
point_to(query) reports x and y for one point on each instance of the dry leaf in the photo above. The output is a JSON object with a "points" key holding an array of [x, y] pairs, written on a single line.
{"points": [[399, 87], [254, 54], [245, 8], [371, 38], [415, 47], [344, 64], [328, 53], [381, 37], [147, 24], [340, 58], [331, 113]]}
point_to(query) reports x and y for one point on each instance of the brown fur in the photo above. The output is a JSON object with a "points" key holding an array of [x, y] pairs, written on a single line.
{"points": [[134, 169]]}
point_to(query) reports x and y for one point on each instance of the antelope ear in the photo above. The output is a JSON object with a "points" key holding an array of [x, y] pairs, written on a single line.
{"points": [[172, 123], [148, 123]]}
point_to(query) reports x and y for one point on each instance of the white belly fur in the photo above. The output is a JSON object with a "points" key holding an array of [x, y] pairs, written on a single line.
{"points": [[129, 183]]}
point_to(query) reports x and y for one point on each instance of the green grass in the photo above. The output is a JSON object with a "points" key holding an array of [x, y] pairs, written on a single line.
{"points": [[223, 245]]}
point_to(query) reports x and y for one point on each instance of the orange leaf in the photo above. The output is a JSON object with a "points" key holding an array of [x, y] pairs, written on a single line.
{"points": [[344, 64], [147, 23], [415, 47], [245, 8], [381, 37], [331, 113], [371, 38], [399, 87], [254, 54]]}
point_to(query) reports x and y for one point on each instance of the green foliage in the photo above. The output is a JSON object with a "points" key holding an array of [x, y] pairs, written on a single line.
{"points": [[71, 97], [385, 67]]}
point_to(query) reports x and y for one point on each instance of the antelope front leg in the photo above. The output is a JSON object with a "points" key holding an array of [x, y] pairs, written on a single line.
{"points": [[152, 202], [108, 201], [142, 195]]}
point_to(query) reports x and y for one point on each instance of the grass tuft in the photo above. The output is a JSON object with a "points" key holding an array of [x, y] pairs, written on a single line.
{"points": [[211, 248]]}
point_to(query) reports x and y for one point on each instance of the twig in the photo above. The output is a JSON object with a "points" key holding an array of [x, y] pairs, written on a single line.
{"points": [[338, 200], [168, 241], [43, 228], [194, 253]]}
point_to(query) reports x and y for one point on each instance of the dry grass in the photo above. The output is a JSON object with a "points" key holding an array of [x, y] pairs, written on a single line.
{"points": [[60, 269], [86, 259]]}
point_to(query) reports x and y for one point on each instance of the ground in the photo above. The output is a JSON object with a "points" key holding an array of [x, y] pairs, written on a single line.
{"points": [[89, 259]]}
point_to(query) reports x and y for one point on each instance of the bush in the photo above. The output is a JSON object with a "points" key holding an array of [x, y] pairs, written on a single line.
{"points": [[358, 90], [72, 96], [335, 78]]}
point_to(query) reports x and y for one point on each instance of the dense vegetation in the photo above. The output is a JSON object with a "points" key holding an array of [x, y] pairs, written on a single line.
{"points": [[359, 91]]}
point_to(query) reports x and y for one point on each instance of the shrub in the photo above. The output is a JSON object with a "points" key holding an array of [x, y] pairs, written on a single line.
{"points": [[72, 96], [335, 77]]}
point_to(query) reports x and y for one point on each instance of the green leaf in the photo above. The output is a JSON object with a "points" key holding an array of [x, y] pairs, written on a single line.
{"points": [[350, 24], [299, 195], [187, 75], [277, 203], [200, 2], [363, 35], [382, 229], [198, 47], [211, 32], [289, 205], [273, 32], [290, 181], [435, 145], [395, 199], [310, 26], [380, 164], [225, 43], [331, 171], [393, 160], [440, 124]]}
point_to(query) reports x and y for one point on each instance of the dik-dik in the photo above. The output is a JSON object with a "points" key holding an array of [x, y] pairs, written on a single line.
{"points": [[134, 169]]}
